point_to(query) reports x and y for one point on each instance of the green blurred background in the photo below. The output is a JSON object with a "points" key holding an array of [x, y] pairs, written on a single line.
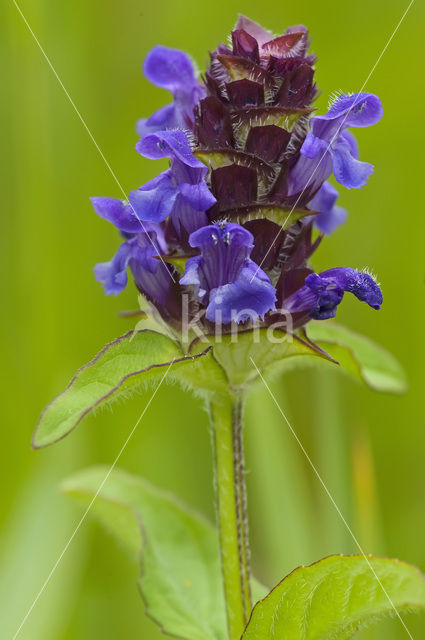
{"points": [[369, 448]]}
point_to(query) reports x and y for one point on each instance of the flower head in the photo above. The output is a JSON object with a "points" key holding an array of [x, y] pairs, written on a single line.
{"points": [[248, 166]]}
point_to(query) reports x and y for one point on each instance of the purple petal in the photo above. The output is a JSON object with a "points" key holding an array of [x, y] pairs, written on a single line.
{"points": [[357, 110], [322, 293], [329, 294], [308, 174], [120, 213], [329, 221], [187, 219], [152, 277], [359, 283], [168, 144], [154, 201], [164, 118], [350, 139], [113, 274], [154, 282], [192, 276], [169, 68], [313, 145], [197, 195], [248, 297], [330, 216], [348, 171], [232, 285]]}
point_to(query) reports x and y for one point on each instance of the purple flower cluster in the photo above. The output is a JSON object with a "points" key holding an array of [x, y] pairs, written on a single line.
{"points": [[246, 185]]}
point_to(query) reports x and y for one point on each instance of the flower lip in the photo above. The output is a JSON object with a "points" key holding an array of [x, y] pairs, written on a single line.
{"points": [[169, 68], [358, 110], [169, 144]]}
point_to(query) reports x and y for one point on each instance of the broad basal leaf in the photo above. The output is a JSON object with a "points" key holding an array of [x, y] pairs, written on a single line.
{"points": [[123, 365], [181, 582], [334, 598], [360, 356]]}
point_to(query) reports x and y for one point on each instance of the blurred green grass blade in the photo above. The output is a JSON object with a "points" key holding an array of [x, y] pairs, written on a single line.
{"points": [[278, 486], [333, 462], [360, 356], [335, 598], [31, 542]]}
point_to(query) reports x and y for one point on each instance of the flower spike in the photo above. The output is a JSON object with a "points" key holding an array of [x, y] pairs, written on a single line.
{"points": [[246, 185]]}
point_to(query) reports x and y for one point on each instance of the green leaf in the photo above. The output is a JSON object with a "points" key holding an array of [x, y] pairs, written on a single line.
{"points": [[122, 366], [367, 361], [181, 582], [269, 349], [335, 598]]}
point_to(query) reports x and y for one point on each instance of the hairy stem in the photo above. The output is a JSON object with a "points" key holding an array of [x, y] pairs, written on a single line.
{"points": [[242, 504], [226, 413]]}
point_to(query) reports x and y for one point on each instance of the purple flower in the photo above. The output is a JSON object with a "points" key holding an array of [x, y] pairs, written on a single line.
{"points": [[179, 192], [226, 280], [173, 70], [321, 293], [330, 216], [329, 147], [151, 275]]}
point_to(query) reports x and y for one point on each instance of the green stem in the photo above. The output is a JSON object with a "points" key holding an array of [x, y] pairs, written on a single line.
{"points": [[242, 504], [226, 413]]}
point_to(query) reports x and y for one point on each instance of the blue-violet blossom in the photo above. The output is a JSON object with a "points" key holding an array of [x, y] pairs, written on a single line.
{"points": [[180, 192], [151, 275], [322, 293], [329, 215], [173, 70], [227, 281], [329, 147]]}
